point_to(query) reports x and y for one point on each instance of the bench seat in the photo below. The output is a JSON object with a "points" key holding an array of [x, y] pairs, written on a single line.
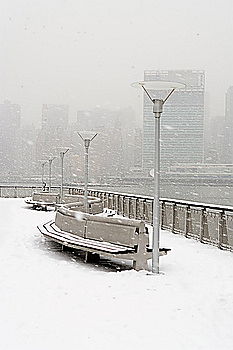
{"points": [[68, 239], [94, 235]]}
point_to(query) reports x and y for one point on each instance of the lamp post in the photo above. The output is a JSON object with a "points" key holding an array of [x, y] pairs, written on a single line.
{"points": [[87, 140], [42, 173], [62, 154], [157, 110], [50, 172]]}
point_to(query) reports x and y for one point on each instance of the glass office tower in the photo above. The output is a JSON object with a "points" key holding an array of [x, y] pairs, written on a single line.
{"points": [[182, 121]]}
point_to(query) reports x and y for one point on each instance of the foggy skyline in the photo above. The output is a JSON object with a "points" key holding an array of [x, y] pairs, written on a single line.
{"points": [[87, 53]]}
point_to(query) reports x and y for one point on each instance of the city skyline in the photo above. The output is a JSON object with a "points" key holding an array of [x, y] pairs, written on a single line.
{"points": [[26, 118], [87, 54], [25, 148]]}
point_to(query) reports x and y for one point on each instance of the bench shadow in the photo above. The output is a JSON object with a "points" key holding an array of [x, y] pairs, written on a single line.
{"points": [[38, 209], [57, 251]]}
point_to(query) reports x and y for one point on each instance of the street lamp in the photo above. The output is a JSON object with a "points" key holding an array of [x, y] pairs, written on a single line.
{"points": [[42, 173], [87, 140], [50, 172], [62, 154], [157, 110]]}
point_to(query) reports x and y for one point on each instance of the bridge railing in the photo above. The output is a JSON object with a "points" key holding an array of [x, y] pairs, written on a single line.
{"points": [[205, 222]]}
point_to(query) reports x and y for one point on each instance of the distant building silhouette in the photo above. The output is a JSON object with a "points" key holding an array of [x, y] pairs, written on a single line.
{"points": [[215, 141], [10, 115], [53, 134], [112, 152], [229, 126], [55, 116], [106, 152]]}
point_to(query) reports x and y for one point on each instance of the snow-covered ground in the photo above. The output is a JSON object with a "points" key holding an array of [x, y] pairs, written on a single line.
{"points": [[52, 300]]}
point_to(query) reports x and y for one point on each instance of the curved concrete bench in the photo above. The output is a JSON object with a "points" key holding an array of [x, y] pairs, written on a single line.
{"points": [[43, 200], [97, 235]]}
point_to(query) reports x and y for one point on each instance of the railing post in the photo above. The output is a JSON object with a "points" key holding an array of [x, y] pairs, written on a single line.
{"points": [[102, 197], [116, 202], [105, 200], [148, 211], [138, 209], [110, 201], [173, 217], [162, 213], [135, 208], [203, 223], [187, 220], [202, 220], [225, 240], [121, 205], [132, 207], [222, 229], [126, 207], [144, 209]]}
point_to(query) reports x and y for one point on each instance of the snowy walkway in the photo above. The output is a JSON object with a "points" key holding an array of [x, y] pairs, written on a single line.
{"points": [[50, 301]]}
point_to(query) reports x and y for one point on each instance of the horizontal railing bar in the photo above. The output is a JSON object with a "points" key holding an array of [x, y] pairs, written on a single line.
{"points": [[128, 195], [177, 201]]}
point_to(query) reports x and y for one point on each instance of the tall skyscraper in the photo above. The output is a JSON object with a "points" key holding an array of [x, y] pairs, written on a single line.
{"points": [[53, 133], [9, 128], [182, 122], [229, 126]]}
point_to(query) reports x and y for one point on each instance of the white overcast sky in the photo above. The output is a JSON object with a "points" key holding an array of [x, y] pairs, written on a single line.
{"points": [[87, 52]]}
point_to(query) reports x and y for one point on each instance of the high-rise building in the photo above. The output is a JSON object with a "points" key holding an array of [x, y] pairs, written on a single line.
{"points": [[55, 116], [27, 155], [138, 148], [214, 148], [9, 128], [132, 151], [229, 126], [53, 133], [182, 121]]}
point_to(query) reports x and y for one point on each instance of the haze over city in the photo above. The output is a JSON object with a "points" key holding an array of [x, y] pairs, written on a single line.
{"points": [[87, 53]]}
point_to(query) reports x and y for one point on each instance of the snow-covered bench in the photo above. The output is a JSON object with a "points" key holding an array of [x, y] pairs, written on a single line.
{"points": [[97, 235], [43, 200]]}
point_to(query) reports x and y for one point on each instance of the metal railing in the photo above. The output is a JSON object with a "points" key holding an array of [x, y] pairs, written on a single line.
{"points": [[19, 191], [205, 222]]}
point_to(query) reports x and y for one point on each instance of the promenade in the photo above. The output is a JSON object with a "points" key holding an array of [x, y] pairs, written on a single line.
{"points": [[52, 300]]}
